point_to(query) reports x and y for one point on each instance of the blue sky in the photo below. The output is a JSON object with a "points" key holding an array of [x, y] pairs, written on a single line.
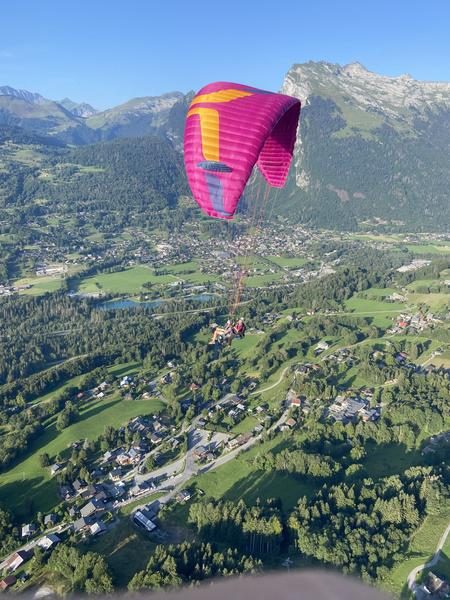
{"points": [[105, 52]]}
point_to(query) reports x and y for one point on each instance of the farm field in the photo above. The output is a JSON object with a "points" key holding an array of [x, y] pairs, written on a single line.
{"points": [[129, 281], [428, 248], [288, 262], [40, 285], [382, 312], [436, 302]]}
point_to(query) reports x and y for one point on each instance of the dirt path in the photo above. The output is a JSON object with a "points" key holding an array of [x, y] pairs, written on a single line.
{"points": [[270, 387]]}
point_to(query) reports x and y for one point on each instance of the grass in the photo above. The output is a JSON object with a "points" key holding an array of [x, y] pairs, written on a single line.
{"points": [[246, 425], [383, 460], [40, 285], [381, 312], [129, 508], [129, 281], [392, 239], [379, 292], [428, 248], [238, 479], [262, 280], [287, 262], [436, 302], [126, 548], [27, 486]]}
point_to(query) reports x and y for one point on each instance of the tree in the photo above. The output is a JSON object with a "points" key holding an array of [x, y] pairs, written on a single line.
{"points": [[44, 459]]}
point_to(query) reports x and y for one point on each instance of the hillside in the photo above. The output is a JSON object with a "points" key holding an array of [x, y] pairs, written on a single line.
{"points": [[79, 123], [372, 149]]}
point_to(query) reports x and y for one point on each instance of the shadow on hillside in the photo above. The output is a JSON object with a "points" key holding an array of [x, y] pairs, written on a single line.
{"points": [[29, 496], [384, 460], [51, 433]]}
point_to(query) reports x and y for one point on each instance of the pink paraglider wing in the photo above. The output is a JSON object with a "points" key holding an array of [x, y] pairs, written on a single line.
{"points": [[229, 128]]}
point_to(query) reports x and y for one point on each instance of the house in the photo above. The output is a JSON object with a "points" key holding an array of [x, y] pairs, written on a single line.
{"points": [[28, 530], [48, 541], [291, 422], [293, 399], [116, 474], [109, 456], [436, 587], [72, 511], [90, 508], [126, 381], [97, 528], [140, 518], [141, 488], [7, 582], [16, 560], [55, 469], [155, 439], [321, 347], [65, 491], [117, 490], [79, 486], [101, 496], [184, 496], [50, 520], [82, 524]]}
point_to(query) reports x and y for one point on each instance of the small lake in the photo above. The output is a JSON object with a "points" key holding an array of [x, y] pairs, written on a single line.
{"points": [[126, 303]]}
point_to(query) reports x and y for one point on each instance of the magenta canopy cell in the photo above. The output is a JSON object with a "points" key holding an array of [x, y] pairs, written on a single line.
{"points": [[230, 128]]}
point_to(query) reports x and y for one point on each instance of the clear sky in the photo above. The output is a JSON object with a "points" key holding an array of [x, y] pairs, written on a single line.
{"points": [[107, 51]]}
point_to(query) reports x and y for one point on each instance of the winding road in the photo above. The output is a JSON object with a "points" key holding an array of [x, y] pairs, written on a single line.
{"points": [[270, 387], [412, 584]]}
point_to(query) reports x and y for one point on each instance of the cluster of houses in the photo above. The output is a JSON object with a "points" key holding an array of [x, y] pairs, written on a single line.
{"points": [[343, 355], [9, 290], [16, 560], [417, 263], [348, 409], [297, 401], [412, 323]]}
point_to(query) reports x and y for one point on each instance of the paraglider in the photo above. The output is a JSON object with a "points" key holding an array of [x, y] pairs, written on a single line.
{"points": [[229, 128]]}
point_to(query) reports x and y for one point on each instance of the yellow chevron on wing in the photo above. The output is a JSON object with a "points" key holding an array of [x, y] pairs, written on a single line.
{"points": [[221, 96], [209, 128]]}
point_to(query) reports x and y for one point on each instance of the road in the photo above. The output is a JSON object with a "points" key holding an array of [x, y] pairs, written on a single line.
{"points": [[412, 584], [185, 468], [190, 468], [31, 544], [270, 387]]}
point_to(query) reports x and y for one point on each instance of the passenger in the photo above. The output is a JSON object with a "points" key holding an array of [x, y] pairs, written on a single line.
{"points": [[222, 333], [239, 328]]}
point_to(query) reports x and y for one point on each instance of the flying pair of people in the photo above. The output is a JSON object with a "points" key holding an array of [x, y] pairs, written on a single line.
{"points": [[226, 334]]}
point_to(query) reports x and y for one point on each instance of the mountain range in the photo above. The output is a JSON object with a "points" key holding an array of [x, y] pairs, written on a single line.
{"points": [[371, 150]]}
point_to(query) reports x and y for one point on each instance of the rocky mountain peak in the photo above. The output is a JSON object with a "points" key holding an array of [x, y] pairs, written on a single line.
{"points": [[32, 97]]}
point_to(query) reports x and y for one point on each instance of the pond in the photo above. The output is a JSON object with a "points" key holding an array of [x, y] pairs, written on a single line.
{"points": [[127, 303]]}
